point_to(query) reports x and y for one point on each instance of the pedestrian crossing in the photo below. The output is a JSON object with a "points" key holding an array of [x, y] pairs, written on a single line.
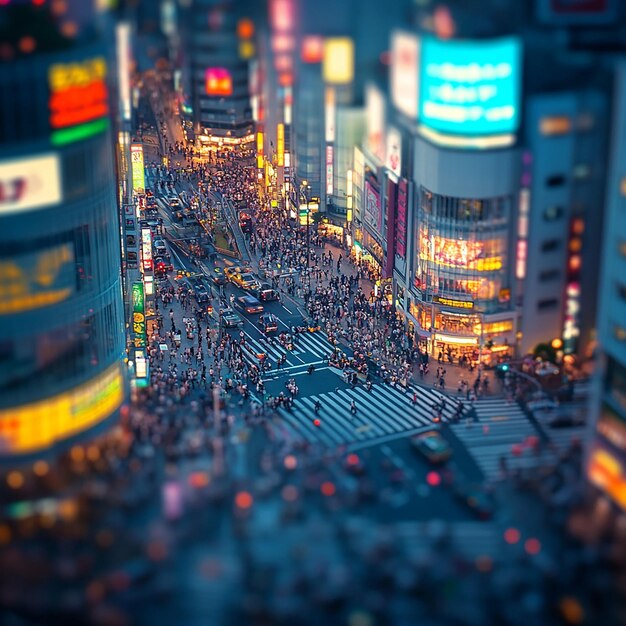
{"points": [[382, 411], [502, 430], [315, 345]]}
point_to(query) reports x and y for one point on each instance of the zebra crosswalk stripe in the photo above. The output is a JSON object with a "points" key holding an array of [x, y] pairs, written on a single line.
{"points": [[380, 412]]}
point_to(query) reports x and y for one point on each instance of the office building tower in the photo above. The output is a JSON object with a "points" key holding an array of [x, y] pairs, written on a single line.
{"points": [[62, 334]]}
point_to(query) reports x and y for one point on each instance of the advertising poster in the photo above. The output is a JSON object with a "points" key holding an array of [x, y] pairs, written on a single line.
{"points": [[146, 249], [373, 215], [405, 73], [393, 157], [29, 183], [137, 168], [401, 219], [470, 87], [139, 316]]}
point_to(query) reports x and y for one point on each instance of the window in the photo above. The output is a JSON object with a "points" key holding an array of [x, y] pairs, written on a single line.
{"points": [[553, 213], [555, 181], [547, 305], [549, 275], [621, 290], [550, 245], [556, 125]]}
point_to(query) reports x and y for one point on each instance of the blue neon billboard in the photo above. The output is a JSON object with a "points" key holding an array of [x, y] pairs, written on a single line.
{"points": [[470, 87]]}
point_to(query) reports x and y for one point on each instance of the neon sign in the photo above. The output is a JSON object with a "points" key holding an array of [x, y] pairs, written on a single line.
{"points": [[78, 99], [139, 316], [218, 82]]}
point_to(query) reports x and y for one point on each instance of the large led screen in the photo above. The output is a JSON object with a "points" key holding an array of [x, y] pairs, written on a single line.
{"points": [[470, 87]]}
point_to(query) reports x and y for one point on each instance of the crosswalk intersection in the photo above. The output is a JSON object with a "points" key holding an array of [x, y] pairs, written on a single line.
{"points": [[309, 348], [381, 412], [500, 428]]}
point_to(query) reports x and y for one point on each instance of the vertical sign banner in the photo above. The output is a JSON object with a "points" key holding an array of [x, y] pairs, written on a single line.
{"points": [[136, 163], [401, 218], [329, 114], [391, 228], [259, 150], [373, 215], [393, 158], [146, 249], [405, 73], [139, 315], [280, 145], [375, 121], [329, 170]]}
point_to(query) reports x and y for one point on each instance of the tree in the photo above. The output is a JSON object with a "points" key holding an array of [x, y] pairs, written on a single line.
{"points": [[545, 352]]}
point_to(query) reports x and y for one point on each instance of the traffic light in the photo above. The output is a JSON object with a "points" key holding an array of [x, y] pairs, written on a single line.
{"points": [[502, 370]]}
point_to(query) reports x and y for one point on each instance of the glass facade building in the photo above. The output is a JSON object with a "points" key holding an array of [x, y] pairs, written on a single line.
{"points": [[62, 332]]}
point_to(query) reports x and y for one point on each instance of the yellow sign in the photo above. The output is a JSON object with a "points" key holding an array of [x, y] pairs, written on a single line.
{"points": [[492, 264], [32, 281], [457, 304], [39, 425], [280, 141], [338, 61]]}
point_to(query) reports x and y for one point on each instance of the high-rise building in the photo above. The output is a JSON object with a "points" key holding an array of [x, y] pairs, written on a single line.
{"points": [[62, 333], [216, 74], [606, 465]]}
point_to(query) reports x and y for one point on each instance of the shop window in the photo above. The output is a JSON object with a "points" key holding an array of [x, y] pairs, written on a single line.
{"points": [[550, 245], [553, 213], [547, 305], [493, 328], [558, 180], [549, 275]]}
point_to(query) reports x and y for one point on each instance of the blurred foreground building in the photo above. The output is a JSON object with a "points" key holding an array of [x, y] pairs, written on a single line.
{"points": [[62, 332]]}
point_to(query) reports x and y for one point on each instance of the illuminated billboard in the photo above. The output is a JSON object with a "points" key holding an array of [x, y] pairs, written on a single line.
{"points": [[139, 315], [29, 183], [218, 82], [137, 167], [460, 253], [375, 121], [393, 159], [146, 249], [39, 425], [280, 145], [470, 87], [329, 170], [312, 50], [37, 279], [404, 73], [78, 100], [338, 60]]}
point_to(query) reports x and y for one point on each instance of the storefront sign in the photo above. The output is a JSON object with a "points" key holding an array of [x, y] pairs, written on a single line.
{"points": [[401, 218], [39, 425], [36, 280], [29, 183], [137, 167], [146, 249], [139, 316], [78, 100], [373, 214], [470, 87], [455, 304]]}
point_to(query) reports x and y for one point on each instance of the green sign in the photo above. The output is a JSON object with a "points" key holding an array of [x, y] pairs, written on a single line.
{"points": [[139, 316]]}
